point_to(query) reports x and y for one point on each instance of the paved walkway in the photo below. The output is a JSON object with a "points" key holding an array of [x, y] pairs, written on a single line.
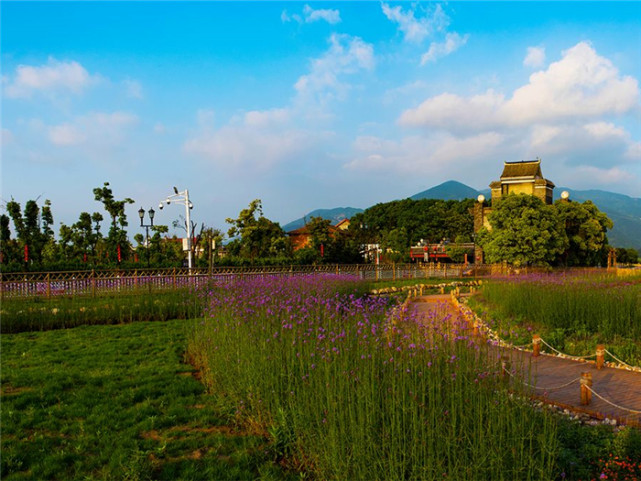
{"points": [[550, 374]]}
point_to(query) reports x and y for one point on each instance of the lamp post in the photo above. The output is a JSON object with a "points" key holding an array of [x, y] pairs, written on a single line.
{"points": [[141, 214], [95, 241], [182, 198]]}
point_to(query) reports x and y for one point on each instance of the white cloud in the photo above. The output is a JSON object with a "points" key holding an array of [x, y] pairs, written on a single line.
{"points": [[7, 137], [330, 16], [424, 155], [535, 57], [453, 41], [52, 77], [160, 128], [414, 29], [346, 55], [266, 118], [96, 130], [285, 17], [311, 15], [564, 114], [258, 141], [454, 113], [133, 88], [65, 134], [579, 86]]}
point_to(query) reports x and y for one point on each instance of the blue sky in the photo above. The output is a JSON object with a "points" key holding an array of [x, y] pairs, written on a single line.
{"points": [[312, 105]]}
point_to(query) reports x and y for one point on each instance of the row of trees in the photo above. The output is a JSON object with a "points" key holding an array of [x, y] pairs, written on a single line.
{"points": [[82, 244], [525, 231]]}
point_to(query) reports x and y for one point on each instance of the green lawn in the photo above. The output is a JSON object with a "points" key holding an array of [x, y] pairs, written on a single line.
{"points": [[118, 402]]}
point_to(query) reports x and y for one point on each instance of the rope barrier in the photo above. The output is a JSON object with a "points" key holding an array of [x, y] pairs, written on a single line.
{"points": [[611, 403], [566, 355], [544, 388], [620, 361]]}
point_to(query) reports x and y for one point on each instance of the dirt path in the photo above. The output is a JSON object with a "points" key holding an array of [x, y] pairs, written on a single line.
{"points": [[555, 378]]}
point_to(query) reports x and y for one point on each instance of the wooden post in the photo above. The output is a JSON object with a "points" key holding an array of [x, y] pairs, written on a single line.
{"points": [[586, 394], [536, 345], [93, 283], [48, 285], [394, 270], [600, 355], [174, 278]]}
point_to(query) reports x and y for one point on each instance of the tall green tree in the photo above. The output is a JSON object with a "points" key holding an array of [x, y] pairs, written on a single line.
{"points": [[32, 226], [257, 236], [586, 229], [116, 209], [8, 247], [525, 232]]}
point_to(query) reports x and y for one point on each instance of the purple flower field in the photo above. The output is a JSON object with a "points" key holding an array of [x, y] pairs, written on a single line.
{"points": [[353, 387]]}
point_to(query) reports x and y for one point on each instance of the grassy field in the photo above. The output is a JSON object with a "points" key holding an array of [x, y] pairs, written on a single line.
{"points": [[118, 402], [304, 380], [571, 313], [41, 314]]}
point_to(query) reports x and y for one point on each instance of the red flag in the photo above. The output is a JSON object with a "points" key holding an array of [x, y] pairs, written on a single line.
{"points": [[84, 257], [26, 253], [322, 250], [119, 254]]}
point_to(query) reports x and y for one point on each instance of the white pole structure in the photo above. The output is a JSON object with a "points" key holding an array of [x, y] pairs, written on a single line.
{"points": [[183, 198]]}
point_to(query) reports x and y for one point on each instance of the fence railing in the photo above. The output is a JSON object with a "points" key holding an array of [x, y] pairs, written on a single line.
{"points": [[95, 282], [99, 282]]}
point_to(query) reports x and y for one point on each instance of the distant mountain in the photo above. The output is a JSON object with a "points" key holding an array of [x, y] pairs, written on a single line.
{"points": [[450, 190], [335, 215]]}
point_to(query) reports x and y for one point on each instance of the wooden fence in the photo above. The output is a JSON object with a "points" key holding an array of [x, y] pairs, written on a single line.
{"points": [[94, 282], [107, 282]]}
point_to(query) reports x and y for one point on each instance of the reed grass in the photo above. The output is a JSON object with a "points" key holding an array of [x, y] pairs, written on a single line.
{"points": [[573, 312], [354, 390]]}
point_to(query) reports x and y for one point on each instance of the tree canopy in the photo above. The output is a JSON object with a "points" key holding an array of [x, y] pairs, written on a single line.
{"points": [[257, 236], [525, 231]]}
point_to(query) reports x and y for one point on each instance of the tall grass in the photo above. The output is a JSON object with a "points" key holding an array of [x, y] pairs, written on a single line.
{"points": [[574, 312], [38, 314], [353, 390]]}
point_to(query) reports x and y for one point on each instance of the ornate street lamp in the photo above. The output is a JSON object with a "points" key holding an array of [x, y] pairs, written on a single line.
{"points": [[182, 198], [141, 214]]}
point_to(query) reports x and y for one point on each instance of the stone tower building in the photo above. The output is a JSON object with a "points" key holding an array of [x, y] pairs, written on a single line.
{"points": [[522, 177]]}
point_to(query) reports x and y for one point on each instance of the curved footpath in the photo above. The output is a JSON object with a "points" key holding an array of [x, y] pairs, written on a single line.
{"points": [[555, 380]]}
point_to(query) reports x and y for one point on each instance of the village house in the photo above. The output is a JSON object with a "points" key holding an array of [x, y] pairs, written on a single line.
{"points": [[302, 238]]}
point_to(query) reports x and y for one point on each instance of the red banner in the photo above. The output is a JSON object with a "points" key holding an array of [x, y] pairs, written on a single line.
{"points": [[26, 253], [119, 254]]}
